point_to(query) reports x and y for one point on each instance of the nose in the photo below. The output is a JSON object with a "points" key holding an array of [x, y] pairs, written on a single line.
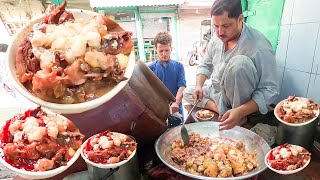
{"points": [[220, 31]]}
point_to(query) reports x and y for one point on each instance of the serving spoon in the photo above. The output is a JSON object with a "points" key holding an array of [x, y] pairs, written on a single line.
{"points": [[184, 131]]}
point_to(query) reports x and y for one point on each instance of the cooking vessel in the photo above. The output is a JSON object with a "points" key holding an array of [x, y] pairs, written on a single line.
{"points": [[302, 134], [210, 129], [123, 170]]}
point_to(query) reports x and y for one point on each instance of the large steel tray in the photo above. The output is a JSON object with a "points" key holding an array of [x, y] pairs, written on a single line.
{"points": [[210, 129]]}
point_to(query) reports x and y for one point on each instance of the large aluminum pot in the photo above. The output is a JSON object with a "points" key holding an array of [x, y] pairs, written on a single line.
{"points": [[210, 129], [128, 171], [302, 134]]}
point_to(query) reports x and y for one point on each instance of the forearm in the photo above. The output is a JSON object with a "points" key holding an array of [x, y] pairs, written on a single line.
{"points": [[248, 108], [179, 95], [201, 78]]}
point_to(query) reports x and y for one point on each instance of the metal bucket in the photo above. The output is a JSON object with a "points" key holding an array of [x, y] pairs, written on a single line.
{"points": [[298, 135], [128, 171]]}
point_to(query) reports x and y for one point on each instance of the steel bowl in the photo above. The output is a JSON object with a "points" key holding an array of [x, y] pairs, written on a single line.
{"points": [[293, 124], [211, 129]]}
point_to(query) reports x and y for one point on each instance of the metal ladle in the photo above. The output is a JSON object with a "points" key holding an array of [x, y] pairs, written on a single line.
{"points": [[184, 131]]}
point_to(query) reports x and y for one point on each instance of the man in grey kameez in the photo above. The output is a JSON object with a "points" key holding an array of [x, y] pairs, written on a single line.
{"points": [[241, 65]]}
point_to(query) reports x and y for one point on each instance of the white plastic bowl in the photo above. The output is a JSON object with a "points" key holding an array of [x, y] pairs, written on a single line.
{"points": [[284, 172], [39, 174], [292, 124], [60, 108], [104, 166]]}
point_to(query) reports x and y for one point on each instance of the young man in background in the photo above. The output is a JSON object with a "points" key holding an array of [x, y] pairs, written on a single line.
{"points": [[170, 72]]}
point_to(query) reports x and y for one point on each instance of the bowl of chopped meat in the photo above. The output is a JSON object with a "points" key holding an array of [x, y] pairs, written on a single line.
{"points": [[70, 60], [204, 115], [296, 111], [39, 144], [287, 159], [108, 150]]}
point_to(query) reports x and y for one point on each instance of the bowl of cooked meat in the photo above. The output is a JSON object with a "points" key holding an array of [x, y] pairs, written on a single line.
{"points": [[39, 144], [296, 111], [108, 150], [287, 159], [70, 60], [204, 115]]}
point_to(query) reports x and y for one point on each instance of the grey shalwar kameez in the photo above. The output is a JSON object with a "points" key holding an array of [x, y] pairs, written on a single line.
{"points": [[248, 71]]}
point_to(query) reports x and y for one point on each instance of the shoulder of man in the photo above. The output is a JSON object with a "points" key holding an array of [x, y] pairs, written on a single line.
{"points": [[153, 63], [255, 33], [177, 63], [259, 40]]}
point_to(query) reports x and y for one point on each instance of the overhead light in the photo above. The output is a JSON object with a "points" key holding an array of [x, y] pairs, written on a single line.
{"points": [[197, 11]]}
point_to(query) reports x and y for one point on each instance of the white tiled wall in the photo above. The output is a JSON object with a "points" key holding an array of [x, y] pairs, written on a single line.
{"points": [[302, 43], [314, 87], [281, 53], [287, 12], [305, 11], [280, 72], [294, 83], [298, 52]]}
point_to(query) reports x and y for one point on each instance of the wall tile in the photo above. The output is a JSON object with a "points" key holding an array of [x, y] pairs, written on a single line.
{"points": [[302, 42], [280, 71], [316, 61], [294, 83], [281, 52], [316, 66], [305, 11], [287, 12], [314, 88]]}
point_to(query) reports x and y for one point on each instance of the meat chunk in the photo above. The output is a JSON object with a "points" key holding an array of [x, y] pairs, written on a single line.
{"points": [[100, 60], [49, 83], [178, 155], [74, 74]]}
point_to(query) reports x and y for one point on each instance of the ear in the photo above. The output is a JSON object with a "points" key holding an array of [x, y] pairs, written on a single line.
{"points": [[240, 18]]}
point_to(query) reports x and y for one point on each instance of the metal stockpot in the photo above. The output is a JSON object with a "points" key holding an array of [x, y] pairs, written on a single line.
{"points": [[299, 135], [128, 171]]}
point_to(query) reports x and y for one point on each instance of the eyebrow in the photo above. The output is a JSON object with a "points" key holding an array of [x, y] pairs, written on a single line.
{"points": [[222, 24]]}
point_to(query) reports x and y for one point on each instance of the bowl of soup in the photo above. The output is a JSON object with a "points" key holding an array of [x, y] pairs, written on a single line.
{"points": [[38, 144], [70, 60]]}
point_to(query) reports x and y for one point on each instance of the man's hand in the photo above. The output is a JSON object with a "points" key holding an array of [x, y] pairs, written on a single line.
{"points": [[197, 94], [230, 119], [174, 107]]}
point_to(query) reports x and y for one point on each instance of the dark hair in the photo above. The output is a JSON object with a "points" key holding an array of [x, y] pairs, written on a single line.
{"points": [[163, 38], [232, 7]]}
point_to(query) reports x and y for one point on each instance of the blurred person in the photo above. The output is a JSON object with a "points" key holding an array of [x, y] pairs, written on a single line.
{"points": [[170, 72], [240, 66]]}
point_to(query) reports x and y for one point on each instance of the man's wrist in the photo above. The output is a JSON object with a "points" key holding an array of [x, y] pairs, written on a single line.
{"points": [[198, 87], [241, 111], [177, 103]]}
